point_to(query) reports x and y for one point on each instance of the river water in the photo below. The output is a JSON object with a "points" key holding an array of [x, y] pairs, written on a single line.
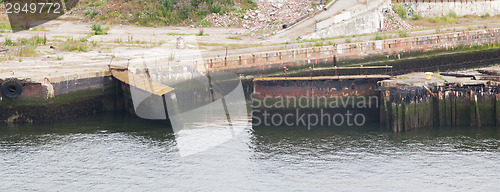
{"points": [[121, 153]]}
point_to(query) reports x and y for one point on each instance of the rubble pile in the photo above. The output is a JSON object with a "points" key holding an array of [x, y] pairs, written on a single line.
{"points": [[392, 22], [270, 15]]}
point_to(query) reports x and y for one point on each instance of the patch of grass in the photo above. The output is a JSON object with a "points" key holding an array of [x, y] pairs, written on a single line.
{"points": [[26, 51], [98, 29], [201, 32], [5, 27], [445, 20], [485, 16], [234, 37], [471, 16], [379, 37], [205, 23], [347, 40], [180, 34], [33, 41], [319, 43], [416, 17], [74, 45], [403, 34], [9, 42]]}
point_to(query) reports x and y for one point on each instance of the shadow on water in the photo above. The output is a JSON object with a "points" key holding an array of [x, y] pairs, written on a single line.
{"points": [[106, 124]]}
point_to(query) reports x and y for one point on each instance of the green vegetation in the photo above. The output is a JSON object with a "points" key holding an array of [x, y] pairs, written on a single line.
{"points": [[180, 34], [347, 40], [485, 16], [98, 29], [379, 37], [445, 20], [400, 10], [416, 17], [205, 23], [4, 27], [201, 33], [160, 12], [76, 45], [403, 34], [33, 41], [26, 51], [234, 38]]}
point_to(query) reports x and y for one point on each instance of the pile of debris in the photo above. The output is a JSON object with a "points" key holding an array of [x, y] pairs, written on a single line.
{"points": [[227, 20], [392, 22], [270, 15]]}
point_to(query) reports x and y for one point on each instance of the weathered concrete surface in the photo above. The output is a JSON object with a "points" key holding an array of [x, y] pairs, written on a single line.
{"points": [[60, 98], [307, 26], [360, 19], [461, 8]]}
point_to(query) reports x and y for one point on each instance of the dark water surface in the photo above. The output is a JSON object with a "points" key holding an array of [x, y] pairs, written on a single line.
{"points": [[120, 153]]}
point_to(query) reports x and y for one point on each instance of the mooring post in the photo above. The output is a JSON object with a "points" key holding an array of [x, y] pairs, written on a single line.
{"points": [[335, 60]]}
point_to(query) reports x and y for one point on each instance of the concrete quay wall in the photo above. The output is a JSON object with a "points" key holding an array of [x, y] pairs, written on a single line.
{"points": [[60, 98]]}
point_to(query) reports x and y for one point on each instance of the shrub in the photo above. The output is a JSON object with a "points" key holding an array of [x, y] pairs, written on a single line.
{"points": [[98, 29], [400, 10], [201, 32], [417, 17], [452, 14]]}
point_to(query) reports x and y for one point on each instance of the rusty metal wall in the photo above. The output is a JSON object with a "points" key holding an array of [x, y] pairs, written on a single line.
{"points": [[345, 51], [316, 88]]}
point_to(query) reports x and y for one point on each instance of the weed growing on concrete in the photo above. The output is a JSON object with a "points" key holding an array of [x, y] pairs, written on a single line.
{"points": [[74, 45], [403, 34], [98, 29]]}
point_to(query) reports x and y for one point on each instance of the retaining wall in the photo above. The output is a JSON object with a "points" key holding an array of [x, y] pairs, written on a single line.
{"points": [[432, 8]]}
